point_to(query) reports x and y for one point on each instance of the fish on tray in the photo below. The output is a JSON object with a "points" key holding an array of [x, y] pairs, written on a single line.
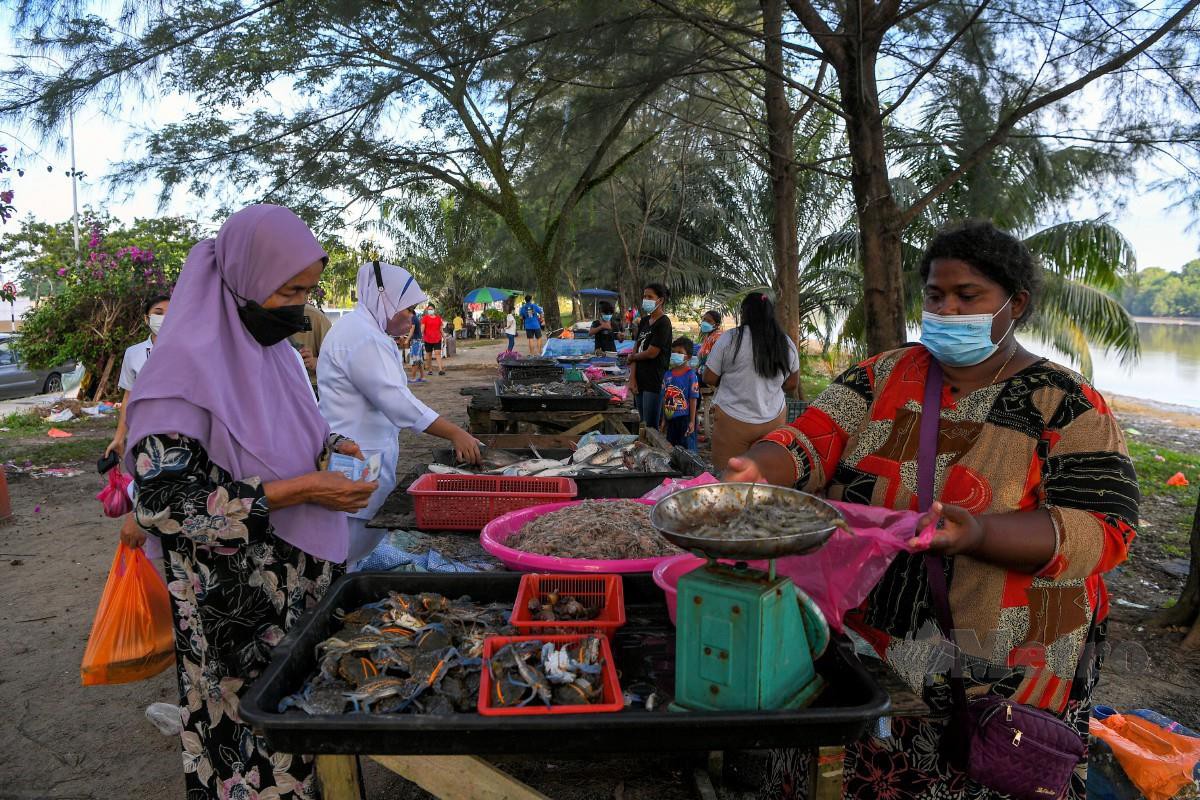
{"points": [[591, 459]]}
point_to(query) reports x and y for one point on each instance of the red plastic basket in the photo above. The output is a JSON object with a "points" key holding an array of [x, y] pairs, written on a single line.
{"points": [[468, 502], [612, 699], [605, 592]]}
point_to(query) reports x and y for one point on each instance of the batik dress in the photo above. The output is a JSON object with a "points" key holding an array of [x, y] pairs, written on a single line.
{"points": [[1042, 439], [235, 589]]}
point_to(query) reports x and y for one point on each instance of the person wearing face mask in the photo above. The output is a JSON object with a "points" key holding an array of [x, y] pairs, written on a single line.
{"points": [[364, 390], [651, 354], [1032, 491], [605, 329], [710, 329], [225, 445], [154, 311]]}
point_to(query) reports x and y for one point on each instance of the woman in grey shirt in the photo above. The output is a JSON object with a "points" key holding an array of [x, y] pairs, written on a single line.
{"points": [[752, 366]]}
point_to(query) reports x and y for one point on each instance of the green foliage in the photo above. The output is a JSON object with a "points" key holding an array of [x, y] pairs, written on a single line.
{"points": [[1156, 292], [6, 195], [43, 253], [95, 310]]}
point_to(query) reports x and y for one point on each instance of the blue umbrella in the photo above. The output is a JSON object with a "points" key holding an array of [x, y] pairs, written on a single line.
{"points": [[486, 295]]}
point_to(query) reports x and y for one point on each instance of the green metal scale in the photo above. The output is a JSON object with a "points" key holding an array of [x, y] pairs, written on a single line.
{"points": [[745, 638]]}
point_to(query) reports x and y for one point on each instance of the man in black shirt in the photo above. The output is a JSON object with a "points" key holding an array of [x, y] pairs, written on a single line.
{"points": [[651, 354]]}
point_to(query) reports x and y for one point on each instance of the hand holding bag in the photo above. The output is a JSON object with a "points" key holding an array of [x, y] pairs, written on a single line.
{"points": [[1005, 746]]}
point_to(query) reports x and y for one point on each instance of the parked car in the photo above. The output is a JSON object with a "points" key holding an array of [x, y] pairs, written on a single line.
{"points": [[335, 314], [18, 380]]}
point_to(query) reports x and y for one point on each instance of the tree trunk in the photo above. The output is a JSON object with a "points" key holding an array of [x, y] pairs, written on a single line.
{"points": [[1186, 611], [546, 272], [781, 134], [878, 214]]}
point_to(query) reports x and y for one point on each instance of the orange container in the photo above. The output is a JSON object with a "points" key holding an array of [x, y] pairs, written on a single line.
{"points": [[468, 502], [605, 592], [612, 699]]}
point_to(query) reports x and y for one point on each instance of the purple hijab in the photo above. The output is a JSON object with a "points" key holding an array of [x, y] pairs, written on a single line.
{"points": [[250, 406]]}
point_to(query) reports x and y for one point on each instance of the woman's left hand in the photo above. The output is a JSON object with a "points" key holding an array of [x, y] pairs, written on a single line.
{"points": [[958, 530], [349, 447]]}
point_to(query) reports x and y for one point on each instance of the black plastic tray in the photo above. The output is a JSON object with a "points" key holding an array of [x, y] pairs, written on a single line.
{"points": [[618, 484], [597, 400], [643, 649]]}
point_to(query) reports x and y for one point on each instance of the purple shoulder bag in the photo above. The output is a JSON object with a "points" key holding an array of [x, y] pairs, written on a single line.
{"points": [[1005, 746]]}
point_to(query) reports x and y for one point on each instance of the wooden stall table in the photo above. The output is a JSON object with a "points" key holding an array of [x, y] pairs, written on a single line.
{"points": [[486, 417], [451, 755]]}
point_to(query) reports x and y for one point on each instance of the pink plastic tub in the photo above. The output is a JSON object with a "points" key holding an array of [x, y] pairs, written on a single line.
{"points": [[670, 570], [497, 532]]}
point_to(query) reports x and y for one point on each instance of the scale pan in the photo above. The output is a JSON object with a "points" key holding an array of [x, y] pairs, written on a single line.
{"points": [[679, 516]]}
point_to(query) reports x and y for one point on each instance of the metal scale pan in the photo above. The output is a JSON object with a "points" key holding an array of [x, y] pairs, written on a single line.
{"points": [[677, 516]]}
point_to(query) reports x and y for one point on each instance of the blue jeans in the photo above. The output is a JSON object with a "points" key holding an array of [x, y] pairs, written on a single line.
{"points": [[512, 340], [647, 405]]}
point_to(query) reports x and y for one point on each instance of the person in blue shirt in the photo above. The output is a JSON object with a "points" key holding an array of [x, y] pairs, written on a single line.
{"points": [[532, 319], [680, 396]]}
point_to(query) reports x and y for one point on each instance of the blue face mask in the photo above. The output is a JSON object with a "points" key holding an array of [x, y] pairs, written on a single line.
{"points": [[961, 340], [706, 327], [694, 362], [649, 305], [606, 317], [677, 359]]}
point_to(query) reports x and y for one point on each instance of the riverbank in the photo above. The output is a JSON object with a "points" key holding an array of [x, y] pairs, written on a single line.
{"points": [[1169, 320]]}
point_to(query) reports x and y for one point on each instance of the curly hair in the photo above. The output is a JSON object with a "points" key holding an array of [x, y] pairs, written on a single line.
{"points": [[998, 254]]}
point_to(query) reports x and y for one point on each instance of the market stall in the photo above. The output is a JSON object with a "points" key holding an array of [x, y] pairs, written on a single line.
{"points": [[441, 752]]}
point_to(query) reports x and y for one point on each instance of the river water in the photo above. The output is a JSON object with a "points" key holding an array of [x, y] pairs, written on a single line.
{"points": [[1167, 372]]}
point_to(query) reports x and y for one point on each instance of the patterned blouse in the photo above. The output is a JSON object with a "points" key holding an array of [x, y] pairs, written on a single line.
{"points": [[1043, 439]]}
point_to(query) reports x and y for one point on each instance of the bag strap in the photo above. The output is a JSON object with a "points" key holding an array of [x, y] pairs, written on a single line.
{"points": [[935, 565]]}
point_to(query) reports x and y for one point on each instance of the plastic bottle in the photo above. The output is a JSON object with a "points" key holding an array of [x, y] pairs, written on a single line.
{"points": [[166, 717]]}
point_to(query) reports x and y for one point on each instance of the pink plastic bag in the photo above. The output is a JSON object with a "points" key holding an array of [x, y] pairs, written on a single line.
{"points": [[840, 575], [672, 485], [114, 496]]}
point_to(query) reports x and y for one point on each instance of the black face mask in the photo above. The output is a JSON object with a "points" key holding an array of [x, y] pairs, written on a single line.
{"points": [[271, 326]]}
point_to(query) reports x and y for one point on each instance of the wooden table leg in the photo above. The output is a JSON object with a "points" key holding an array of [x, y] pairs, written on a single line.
{"points": [[459, 778], [586, 425], [338, 777]]}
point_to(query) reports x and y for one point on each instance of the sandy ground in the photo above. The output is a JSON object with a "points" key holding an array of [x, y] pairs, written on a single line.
{"points": [[63, 741]]}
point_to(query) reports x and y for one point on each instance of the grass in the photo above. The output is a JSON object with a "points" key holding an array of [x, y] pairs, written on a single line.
{"points": [[1172, 506], [26, 440], [22, 423]]}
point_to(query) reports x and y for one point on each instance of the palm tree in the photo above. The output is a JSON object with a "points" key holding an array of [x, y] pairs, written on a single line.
{"points": [[1086, 262]]}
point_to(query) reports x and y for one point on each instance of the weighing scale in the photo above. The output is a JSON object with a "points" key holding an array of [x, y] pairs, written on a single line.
{"points": [[746, 638]]}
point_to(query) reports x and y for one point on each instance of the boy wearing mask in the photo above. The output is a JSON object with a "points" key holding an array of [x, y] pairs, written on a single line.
{"points": [[680, 396]]}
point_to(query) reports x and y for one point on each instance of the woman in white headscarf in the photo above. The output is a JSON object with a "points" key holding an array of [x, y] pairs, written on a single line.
{"points": [[364, 390]]}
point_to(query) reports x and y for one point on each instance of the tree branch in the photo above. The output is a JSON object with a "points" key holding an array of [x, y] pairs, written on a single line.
{"points": [[1046, 99]]}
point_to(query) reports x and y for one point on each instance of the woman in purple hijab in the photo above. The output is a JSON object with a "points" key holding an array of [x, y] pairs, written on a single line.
{"points": [[226, 446]]}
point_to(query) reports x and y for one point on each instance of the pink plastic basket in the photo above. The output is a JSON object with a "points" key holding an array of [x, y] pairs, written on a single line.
{"points": [[498, 531]]}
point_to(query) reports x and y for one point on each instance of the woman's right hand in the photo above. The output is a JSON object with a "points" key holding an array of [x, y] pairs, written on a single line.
{"points": [[335, 491], [743, 469], [117, 445]]}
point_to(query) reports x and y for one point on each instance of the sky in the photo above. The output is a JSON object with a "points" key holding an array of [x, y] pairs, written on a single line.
{"points": [[1158, 232]]}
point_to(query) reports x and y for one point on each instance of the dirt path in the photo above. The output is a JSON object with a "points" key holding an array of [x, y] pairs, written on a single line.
{"points": [[64, 741]]}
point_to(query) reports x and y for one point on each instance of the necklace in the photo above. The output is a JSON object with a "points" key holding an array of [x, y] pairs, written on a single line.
{"points": [[999, 372]]}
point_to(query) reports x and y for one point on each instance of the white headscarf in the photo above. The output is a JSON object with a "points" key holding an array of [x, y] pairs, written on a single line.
{"points": [[400, 290]]}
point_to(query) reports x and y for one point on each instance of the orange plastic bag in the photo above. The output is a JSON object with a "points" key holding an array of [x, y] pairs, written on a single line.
{"points": [[1178, 479], [132, 635], [1157, 761]]}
